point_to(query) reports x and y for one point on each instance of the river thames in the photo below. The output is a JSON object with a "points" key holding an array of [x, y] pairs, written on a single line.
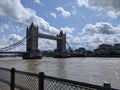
{"points": [[90, 70]]}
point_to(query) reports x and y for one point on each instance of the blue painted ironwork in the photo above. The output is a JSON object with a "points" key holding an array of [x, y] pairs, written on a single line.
{"points": [[45, 36]]}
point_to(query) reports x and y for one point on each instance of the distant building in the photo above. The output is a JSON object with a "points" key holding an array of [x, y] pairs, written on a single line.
{"points": [[107, 50], [117, 46], [105, 46], [81, 51]]}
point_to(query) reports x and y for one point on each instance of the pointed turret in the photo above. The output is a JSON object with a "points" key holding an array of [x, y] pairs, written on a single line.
{"points": [[61, 33], [37, 27], [32, 25]]}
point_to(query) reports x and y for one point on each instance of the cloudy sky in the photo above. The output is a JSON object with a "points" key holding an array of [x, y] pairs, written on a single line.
{"points": [[87, 23]]}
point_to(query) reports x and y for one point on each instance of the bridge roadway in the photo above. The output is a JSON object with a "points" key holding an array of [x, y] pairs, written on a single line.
{"points": [[40, 35]]}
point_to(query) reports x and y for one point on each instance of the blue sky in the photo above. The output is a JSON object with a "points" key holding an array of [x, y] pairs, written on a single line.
{"points": [[87, 23]]}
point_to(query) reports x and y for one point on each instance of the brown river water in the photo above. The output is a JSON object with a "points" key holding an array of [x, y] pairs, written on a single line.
{"points": [[89, 70]]}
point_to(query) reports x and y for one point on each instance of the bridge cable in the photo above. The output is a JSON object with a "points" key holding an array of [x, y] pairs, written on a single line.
{"points": [[14, 45], [69, 47]]}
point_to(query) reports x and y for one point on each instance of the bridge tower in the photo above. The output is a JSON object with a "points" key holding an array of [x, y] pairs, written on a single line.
{"points": [[61, 43], [32, 43]]}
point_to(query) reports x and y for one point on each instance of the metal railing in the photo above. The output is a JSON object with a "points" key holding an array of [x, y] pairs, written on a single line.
{"points": [[30, 81]]}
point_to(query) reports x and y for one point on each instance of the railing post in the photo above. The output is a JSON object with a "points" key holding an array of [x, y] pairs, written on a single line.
{"points": [[41, 81], [12, 84], [107, 86]]}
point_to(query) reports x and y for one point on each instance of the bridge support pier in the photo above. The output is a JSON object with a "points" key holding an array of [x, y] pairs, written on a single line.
{"points": [[32, 51]]}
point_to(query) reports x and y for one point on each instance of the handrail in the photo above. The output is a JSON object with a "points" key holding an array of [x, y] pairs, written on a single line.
{"points": [[31, 81]]}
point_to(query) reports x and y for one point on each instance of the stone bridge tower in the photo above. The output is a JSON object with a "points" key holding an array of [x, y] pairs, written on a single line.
{"points": [[32, 43], [61, 43]]}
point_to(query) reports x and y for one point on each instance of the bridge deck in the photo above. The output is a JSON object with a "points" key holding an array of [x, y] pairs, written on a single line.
{"points": [[40, 35]]}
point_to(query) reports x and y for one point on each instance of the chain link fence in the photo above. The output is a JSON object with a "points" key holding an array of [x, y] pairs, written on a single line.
{"points": [[26, 81], [19, 80], [54, 84]]}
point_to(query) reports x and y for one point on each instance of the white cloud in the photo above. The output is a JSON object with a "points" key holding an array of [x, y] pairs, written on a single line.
{"points": [[37, 1], [64, 13], [4, 27], [74, 11], [82, 2], [113, 14], [14, 37], [24, 15], [9, 40], [43, 44], [53, 15], [76, 40], [67, 29], [112, 7], [100, 28]]}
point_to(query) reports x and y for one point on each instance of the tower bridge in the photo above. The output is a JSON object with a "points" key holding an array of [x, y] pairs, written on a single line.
{"points": [[32, 42], [31, 39]]}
